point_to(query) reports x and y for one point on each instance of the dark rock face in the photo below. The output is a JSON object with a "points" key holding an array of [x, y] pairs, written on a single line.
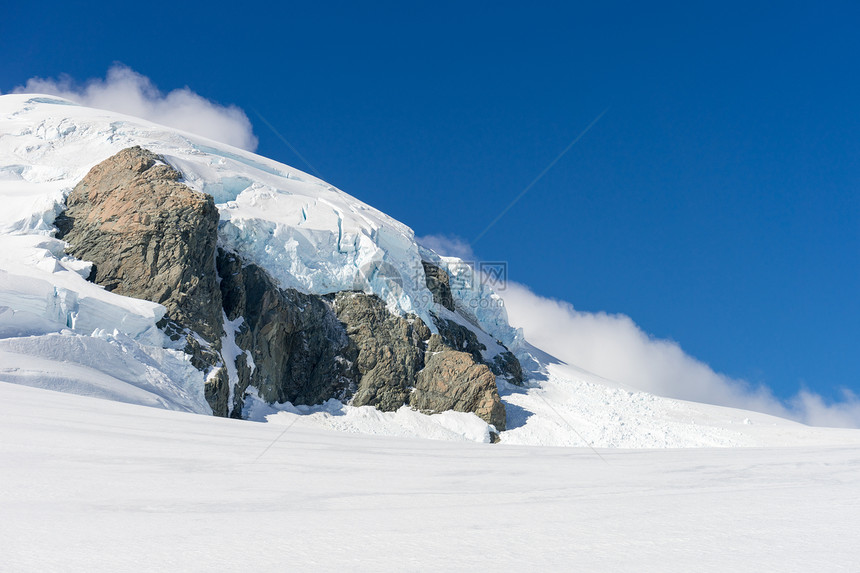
{"points": [[507, 365], [455, 336], [438, 284], [299, 350], [400, 362], [452, 380], [217, 392], [388, 350], [150, 237], [306, 349]]}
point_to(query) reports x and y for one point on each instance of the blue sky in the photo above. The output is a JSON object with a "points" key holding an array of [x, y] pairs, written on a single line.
{"points": [[716, 202]]}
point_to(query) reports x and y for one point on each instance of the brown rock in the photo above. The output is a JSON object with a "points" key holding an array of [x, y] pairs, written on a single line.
{"points": [[452, 380], [150, 237]]}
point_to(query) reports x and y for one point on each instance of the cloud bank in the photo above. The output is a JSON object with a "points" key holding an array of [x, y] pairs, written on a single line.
{"points": [[614, 347], [126, 91]]}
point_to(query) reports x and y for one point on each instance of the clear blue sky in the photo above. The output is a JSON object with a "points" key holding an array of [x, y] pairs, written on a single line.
{"points": [[716, 203]]}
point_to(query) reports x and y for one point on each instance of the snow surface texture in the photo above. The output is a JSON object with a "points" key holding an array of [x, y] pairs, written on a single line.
{"points": [[59, 331], [91, 485]]}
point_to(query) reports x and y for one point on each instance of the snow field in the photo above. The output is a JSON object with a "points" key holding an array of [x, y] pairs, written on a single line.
{"points": [[93, 485]]}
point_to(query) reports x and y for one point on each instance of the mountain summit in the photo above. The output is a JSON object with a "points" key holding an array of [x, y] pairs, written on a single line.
{"points": [[151, 266]]}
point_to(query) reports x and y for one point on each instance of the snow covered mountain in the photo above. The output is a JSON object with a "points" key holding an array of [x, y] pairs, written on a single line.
{"points": [[150, 266]]}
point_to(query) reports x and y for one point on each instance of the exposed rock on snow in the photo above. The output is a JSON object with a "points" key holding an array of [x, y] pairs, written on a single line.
{"points": [[507, 365], [387, 350], [453, 335], [438, 284], [306, 349], [452, 380], [149, 237], [295, 343]]}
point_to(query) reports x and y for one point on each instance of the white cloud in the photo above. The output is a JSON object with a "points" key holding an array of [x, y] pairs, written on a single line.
{"points": [[448, 246], [614, 347], [845, 414], [129, 92]]}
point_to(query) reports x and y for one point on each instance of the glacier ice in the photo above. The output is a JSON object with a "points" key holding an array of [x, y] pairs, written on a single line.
{"points": [[307, 234]]}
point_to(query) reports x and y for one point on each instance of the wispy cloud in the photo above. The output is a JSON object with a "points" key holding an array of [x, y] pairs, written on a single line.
{"points": [[448, 246], [614, 347], [126, 91], [817, 412]]}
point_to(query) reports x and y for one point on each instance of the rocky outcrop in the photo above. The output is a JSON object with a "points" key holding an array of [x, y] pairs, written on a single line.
{"points": [[149, 236], [507, 365], [306, 349], [452, 380], [299, 351], [388, 350], [455, 336], [438, 284], [400, 362], [458, 337]]}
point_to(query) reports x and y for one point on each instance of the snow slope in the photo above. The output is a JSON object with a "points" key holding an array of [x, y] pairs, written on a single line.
{"points": [[92, 485], [308, 234], [58, 331]]}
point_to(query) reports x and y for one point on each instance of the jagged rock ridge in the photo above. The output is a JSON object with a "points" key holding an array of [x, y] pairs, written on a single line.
{"points": [[150, 236]]}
